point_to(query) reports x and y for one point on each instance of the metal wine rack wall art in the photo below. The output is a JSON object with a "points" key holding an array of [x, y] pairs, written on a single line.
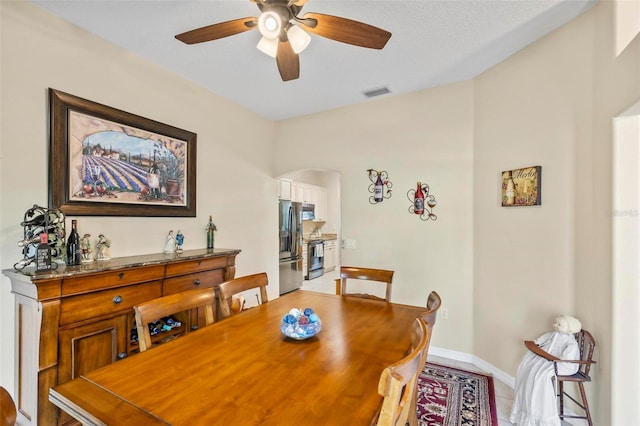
{"points": [[380, 186], [422, 203], [41, 227]]}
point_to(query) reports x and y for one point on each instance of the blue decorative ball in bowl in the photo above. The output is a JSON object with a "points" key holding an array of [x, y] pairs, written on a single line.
{"points": [[300, 324]]}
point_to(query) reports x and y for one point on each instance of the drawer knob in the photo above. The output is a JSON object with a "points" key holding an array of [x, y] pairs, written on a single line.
{"points": [[117, 300], [121, 275], [122, 355], [196, 282]]}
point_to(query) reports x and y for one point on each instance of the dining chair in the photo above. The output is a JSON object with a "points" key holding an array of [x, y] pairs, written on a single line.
{"points": [[237, 285], [587, 345], [433, 305], [161, 307], [8, 413], [368, 274], [398, 381], [429, 316]]}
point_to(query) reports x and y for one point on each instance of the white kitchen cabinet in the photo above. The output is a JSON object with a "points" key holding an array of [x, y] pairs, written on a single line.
{"points": [[297, 192], [284, 191], [321, 204], [311, 194], [330, 255]]}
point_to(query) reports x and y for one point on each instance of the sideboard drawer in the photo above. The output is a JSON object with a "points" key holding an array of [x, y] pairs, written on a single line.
{"points": [[93, 305], [191, 281], [85, 283], [181, 268]]}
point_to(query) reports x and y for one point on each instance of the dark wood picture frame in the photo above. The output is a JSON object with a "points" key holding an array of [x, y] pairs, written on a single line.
{"points": [[98, 201]]}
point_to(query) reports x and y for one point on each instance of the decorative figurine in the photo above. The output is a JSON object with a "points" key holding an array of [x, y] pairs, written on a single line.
{"points": [[170, 245], [85, 246], [179, 241], [102, 248]]}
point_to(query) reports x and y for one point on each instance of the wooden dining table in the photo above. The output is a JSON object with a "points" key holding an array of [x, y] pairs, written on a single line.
{"points": [[243, 371]]}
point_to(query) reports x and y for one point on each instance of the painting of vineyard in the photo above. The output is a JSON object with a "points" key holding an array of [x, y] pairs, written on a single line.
{"points": [[111, 162]]}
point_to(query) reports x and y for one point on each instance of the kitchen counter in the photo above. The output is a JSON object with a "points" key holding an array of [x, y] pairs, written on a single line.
{"points": [[323, 237]]}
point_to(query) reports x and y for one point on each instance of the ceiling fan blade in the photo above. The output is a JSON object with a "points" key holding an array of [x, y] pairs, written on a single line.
{"points": [[216, 31], [347, 31], [288, 61]]}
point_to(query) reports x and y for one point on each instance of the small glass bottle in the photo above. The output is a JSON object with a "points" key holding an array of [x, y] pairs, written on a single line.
{"points": [[418, 200]]}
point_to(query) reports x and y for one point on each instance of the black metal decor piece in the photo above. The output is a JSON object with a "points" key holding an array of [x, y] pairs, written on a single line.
{"points": [[380, 186], [36, 222], [422, 203]]}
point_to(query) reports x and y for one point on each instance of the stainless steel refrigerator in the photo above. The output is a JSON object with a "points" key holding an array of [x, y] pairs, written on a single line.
{"points": [[290, 246]]}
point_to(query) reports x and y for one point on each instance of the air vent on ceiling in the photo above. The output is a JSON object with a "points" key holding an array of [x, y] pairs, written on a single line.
{"points": [[377, 92]]}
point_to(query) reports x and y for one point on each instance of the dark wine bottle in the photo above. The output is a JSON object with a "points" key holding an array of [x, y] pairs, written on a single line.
{"points": [[210, 228], [74, 252], [377, 193]]}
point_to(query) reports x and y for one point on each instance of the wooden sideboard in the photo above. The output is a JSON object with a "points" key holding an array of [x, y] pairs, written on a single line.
{"points": [[76, 319]]}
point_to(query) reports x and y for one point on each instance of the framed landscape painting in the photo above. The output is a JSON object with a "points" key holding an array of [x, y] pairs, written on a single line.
{"points": [[107, 162], [522, 187]]}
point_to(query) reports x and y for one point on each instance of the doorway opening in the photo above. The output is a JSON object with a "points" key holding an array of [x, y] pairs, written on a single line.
{"points": [[625, 218]]}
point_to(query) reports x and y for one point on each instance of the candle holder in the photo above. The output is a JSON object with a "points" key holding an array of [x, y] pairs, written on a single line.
{"points": [[381, 186], [429, 203]]}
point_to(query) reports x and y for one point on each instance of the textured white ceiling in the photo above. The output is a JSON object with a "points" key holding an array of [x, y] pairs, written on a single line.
{"points": [[433, 43]]}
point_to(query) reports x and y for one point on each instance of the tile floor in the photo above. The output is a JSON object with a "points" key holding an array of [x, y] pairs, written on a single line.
{"points": [[504, 393]]}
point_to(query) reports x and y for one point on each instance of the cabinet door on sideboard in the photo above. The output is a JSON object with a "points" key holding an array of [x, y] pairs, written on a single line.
{"points": [[84, 348]]}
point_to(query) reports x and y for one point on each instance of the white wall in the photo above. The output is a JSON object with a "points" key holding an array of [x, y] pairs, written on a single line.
{"points": [[234, 179], [533, 109], [424, 136], [553, 105]]}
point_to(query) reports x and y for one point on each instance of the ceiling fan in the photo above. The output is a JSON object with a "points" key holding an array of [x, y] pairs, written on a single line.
{"points": [[284, 32]]}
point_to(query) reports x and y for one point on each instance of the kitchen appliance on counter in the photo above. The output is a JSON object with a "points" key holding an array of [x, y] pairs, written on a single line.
{"points": [[290, 255], [315, 266]]}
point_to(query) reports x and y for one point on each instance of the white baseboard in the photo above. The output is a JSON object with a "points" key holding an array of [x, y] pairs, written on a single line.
{"points": [[477, 361]]}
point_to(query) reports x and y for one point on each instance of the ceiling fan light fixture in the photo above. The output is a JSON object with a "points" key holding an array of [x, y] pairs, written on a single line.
{"points": [[270, 24], [268, 46], [298, 38]]}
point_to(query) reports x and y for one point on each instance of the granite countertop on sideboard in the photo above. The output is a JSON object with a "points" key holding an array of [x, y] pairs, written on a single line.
{"points": [[119, 262]]}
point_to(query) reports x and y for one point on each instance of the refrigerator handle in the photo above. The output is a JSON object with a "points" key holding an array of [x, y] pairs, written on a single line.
{"points": [[290, 237]]}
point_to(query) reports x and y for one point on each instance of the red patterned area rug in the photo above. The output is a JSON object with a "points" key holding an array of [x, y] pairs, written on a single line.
{"points": [[448, 396]]}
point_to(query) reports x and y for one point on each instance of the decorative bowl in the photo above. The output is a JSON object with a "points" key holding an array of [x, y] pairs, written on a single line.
{"points": [[300, 324]]}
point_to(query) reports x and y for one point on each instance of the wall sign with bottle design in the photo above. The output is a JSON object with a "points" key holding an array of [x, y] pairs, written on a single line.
{"points": [[381, 186], [422, 203], [521, 187]]}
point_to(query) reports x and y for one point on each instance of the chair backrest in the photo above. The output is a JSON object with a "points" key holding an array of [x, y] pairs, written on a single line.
{"points": [[433, 304], [164, 306], [398, 381], [8, 412], [587, 345], [238, 285], [429, 317], [369, 274]]}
